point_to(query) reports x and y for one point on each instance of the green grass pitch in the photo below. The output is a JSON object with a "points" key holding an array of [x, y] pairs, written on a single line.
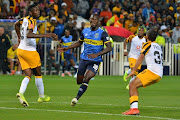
{"points": [[105, 99]]}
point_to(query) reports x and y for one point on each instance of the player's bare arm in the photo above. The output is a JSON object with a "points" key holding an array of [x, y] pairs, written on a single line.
{"points": [[48, 35], [125, 50], [75, 45], [139, 61], [17, 29], [106, 50]]}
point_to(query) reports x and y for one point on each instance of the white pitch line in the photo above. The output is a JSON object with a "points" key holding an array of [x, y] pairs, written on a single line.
{"points": [[103, 104], [94, 113]]}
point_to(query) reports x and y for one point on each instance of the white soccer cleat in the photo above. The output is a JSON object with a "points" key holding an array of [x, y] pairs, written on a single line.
{"points": [[74, 101], [75, 76]]}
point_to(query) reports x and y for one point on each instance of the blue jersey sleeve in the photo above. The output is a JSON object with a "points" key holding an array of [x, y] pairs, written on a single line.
{"points": [[105, 37], [81, 38]]}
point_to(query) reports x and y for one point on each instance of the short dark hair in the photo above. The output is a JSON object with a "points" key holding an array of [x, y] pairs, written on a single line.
{"points": [[152, 34], [31, 6]]}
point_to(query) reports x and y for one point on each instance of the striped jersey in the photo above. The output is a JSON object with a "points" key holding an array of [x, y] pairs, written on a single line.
{"points": [[136, 45], [28, 23], [154, 57]]}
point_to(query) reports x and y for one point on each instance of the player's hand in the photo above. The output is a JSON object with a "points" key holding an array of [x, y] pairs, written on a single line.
{"points": [[131, 74], [125, 54], [51, 35], [92, 56], [62, 49]]}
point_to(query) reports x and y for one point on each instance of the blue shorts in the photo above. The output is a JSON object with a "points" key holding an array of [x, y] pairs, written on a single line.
{"points": [[68, 56], [90, 65]]}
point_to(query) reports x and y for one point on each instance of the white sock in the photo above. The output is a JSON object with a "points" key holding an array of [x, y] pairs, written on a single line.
{"points": [[134, 105], [40, 86], [76, 66], [132, 78], [129, 71], [24, 84]]}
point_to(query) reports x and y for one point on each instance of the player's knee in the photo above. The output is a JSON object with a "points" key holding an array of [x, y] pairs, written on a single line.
{"points": [[86, 79], [132, 85], [79, 81]]}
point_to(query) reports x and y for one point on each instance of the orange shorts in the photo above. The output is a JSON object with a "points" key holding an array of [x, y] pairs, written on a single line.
{"points": [[28, 59], [132, 63], [147, 77]]}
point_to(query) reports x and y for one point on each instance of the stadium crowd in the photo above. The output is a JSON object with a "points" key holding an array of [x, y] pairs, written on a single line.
{"points": [[162, 15]]}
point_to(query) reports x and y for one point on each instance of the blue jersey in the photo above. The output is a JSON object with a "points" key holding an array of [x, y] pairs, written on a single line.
{"points": [[58, 30], [66, 41], [93, 43]]}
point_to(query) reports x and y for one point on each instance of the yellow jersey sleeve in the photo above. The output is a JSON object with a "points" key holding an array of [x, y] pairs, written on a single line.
{"points": [[145, 48], [129, 39], [21, 21]]}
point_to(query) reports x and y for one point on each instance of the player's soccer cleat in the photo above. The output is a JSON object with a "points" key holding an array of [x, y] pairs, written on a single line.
{"points": [[92, 78], [132, 111], [75, 76], [68, 73], [44, 99], [22, 100], [62, 75], [13, 72], [125, 76], [127, 87], [74, 101]]}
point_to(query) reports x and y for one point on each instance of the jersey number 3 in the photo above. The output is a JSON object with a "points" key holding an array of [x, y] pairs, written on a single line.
{"points": [[158, 57]]}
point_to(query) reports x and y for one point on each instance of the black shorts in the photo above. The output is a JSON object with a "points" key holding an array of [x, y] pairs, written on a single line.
{"points": [[90, 65]]}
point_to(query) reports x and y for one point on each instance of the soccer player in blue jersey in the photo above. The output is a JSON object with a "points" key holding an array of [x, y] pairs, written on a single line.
{"points": [[68, 56], [94, 39]]}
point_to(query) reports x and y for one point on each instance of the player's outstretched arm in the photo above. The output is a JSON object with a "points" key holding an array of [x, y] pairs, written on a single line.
{"points": [[75, 45], [48, 35], [134, 69], [106, 50], [17, 29]]}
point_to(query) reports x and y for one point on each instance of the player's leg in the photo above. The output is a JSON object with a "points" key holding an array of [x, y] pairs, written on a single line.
{"points": [[18, 72], [40, 85], [144, 79], [73, 63], [23, 87], [64, 68], [81, 71], [87, 77], [22, 55], [11, 62], [133, 92], [80, 77], [92, 68], [131, 64]]}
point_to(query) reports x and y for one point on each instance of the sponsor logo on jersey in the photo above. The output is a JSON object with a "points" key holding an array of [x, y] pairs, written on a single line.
{"points": [[96, 35], [31, 25], [138, 47]]}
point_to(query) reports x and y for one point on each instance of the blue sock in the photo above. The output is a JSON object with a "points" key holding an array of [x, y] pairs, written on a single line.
{"points": [[82, 89]]}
